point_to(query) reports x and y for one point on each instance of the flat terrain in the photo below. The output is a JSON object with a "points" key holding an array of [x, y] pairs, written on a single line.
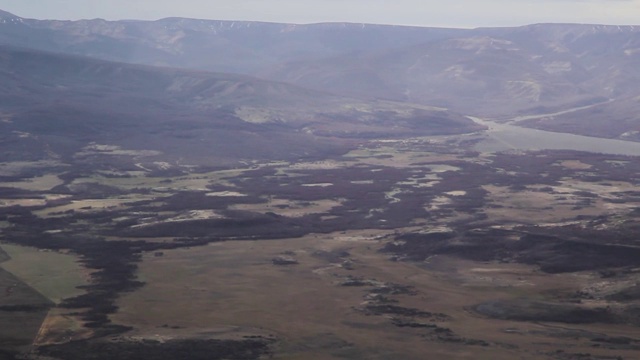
{"points": [[316, 314], [396, 249], [56, 276], [24, 308]]}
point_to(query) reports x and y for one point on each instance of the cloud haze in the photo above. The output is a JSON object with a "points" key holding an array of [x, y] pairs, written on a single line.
{"points": [[450, 13]]}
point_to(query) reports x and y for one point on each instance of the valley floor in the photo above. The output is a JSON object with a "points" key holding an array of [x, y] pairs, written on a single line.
{"points": [[416, 248]]}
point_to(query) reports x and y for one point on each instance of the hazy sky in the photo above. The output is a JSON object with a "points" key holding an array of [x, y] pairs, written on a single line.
{"points": [[449, 13]]}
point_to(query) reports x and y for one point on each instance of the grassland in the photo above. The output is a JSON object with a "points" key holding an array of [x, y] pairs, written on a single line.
{"points": [[22, 311], [236, 287], [55, 275], [398, 249]]}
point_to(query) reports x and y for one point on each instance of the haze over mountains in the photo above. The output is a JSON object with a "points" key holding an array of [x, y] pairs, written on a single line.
{"points": [[62, 103], [495, 72], [487, 71]]}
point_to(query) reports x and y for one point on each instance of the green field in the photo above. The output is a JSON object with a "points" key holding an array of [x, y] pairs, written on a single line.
{"points": [[55, 275], [22, 311]]}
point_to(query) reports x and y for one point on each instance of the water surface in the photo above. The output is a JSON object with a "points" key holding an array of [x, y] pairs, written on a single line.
{"points": [[503, 137]]}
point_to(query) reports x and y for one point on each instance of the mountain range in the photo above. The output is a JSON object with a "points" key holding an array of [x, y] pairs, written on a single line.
{"points": [[62, 103], [500, 73]]}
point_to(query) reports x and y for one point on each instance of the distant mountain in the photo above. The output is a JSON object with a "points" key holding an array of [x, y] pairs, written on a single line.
{"points": [[7, 16], [53, 106], [613, 119], [221, 46], [500, 73], [493, 72]]}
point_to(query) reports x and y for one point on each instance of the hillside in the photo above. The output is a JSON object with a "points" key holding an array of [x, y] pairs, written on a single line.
{"points": [[494, 72], [491, 72], [62, 103]]}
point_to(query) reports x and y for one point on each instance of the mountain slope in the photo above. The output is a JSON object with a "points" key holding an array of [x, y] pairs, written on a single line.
{"points": [[61, 104], [494, 72], [490, 72]]}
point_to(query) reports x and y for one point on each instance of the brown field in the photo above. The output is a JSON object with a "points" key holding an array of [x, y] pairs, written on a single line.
{"points": [[61, 326], [41, 183], [233, 288], [88, 205]]}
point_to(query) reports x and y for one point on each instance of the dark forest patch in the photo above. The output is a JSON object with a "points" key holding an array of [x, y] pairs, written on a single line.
{"points": [[149, 349], [526, 310], [552, 254]]}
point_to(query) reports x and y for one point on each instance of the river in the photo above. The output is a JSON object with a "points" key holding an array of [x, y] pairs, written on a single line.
{"points": [[502, 137]]}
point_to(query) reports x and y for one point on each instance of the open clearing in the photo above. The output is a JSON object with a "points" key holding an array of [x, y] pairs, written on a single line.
{"points": [[53, 274], [41, 183], [233, 288]]}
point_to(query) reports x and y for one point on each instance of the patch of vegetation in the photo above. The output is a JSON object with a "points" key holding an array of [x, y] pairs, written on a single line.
{"points": [[551, 253], [525, 310], [387, 309], [150, 349]]}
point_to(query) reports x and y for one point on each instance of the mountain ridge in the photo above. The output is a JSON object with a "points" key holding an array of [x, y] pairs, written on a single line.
{"points": [[488, 72]]}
